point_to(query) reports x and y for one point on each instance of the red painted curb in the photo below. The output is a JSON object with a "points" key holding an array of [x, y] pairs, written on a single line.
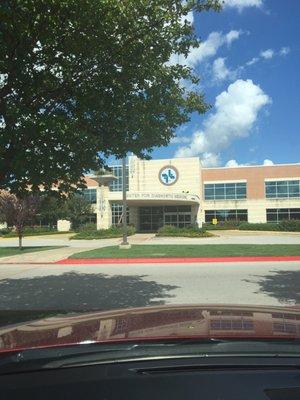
{"points": [[174, 260]]}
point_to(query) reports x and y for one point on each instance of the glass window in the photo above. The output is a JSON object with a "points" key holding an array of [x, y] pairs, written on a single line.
{"points": [[226, 215], [117, 185], [280, 214], [89, 194], [225, 191], [282, 189], [117, 213]]}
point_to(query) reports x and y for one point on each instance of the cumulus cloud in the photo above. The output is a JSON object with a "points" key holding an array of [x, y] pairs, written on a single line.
{"points": [[252, 61], [236, 111], [284, 51], [268, 162], [267, 54], [180, 139], [231, 36], [220, 71], [206, 49], [241, 4], [232, 164]]}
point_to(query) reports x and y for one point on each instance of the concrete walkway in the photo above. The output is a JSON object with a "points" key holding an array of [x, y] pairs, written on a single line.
{"points": [[71, 247]]}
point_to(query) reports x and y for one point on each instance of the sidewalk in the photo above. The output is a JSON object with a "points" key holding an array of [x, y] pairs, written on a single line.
{"points": [[72, 247]]}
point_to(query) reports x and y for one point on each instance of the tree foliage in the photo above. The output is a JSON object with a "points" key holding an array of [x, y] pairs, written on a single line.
{"points": [[77, 210], [18, 212], [85, 79]]}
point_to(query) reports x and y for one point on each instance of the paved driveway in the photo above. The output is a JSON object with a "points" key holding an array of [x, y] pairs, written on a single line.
{"points": [[87, 287]]}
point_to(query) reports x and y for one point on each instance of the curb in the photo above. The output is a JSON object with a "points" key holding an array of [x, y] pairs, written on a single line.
{"points": [[174, 260]]}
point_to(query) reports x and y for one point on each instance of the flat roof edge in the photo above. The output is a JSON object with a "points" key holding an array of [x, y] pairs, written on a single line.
{"points": [[254, 166]]}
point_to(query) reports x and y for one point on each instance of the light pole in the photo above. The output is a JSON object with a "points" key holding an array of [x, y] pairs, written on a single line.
{"points": [[124, 244]]}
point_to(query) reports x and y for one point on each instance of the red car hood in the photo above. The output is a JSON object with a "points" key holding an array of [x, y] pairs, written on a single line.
{"points": [[151, 323]]}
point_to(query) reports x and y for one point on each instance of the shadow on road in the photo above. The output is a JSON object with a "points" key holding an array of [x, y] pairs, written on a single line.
{"points": [[83, 292], [283, 285]]}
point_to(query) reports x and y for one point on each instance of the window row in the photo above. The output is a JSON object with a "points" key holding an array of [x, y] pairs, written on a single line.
{"points": [[90, 195], [286, 327], [281, 214], [282, 189], [225, 191], [226, 215], [117, 184], [231, 324], [117, 214]]}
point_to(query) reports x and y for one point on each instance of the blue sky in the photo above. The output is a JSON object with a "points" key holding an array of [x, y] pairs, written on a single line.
{"points": [[250, 68]]}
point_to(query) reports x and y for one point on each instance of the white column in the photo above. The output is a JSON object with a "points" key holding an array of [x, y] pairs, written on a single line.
{"points": [[197, 215], [103, 208]]}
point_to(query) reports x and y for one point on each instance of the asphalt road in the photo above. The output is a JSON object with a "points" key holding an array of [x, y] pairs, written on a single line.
{"points": [[89, 287]]}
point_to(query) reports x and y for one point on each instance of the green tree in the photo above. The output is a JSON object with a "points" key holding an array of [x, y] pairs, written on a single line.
{"points": [[51, 209], [77, 210], [81, 80]]}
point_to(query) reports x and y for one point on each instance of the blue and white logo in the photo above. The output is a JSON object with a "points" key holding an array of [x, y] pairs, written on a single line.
{"points": [[168, 175]]}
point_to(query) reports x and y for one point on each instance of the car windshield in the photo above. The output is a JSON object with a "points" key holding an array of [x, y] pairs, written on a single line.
{"points": [[149, 180]]}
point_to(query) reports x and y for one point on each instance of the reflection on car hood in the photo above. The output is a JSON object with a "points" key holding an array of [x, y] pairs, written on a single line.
{"points": [[148, 323]]}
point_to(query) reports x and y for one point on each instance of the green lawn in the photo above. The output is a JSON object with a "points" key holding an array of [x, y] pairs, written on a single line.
{"points": [[211, 250], [12, 251]]}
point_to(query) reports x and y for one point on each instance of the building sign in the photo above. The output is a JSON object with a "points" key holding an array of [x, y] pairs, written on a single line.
{"points": [[162, 196], [168, 175]]}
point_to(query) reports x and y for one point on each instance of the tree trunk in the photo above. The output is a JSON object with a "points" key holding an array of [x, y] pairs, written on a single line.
{"points": [[20, 242]]}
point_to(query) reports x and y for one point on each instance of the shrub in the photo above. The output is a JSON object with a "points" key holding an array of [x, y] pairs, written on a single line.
{"points": [[223, 225], [112, 232], [246, 226], [5, 231], [191, 231], [87, 227], [292, 225]]}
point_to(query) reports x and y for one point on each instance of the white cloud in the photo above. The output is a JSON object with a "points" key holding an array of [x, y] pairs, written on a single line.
{"points": [[268, 162], [206, 49], [234, 164], [180, 139], [221, 72], [241, 4], [231, 36], [210, 159], [236, 111], [252, 61], [231, 164], [284, 51], [267, 54]]}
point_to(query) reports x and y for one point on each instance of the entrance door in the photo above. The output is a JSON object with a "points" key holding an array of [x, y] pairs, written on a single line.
{"points": [[151, 218], [179, 219]]}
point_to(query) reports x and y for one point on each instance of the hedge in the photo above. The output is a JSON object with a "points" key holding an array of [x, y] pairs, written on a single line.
{"points": [[223, 225], [191, 231], [286, 226], [112, 232]]}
